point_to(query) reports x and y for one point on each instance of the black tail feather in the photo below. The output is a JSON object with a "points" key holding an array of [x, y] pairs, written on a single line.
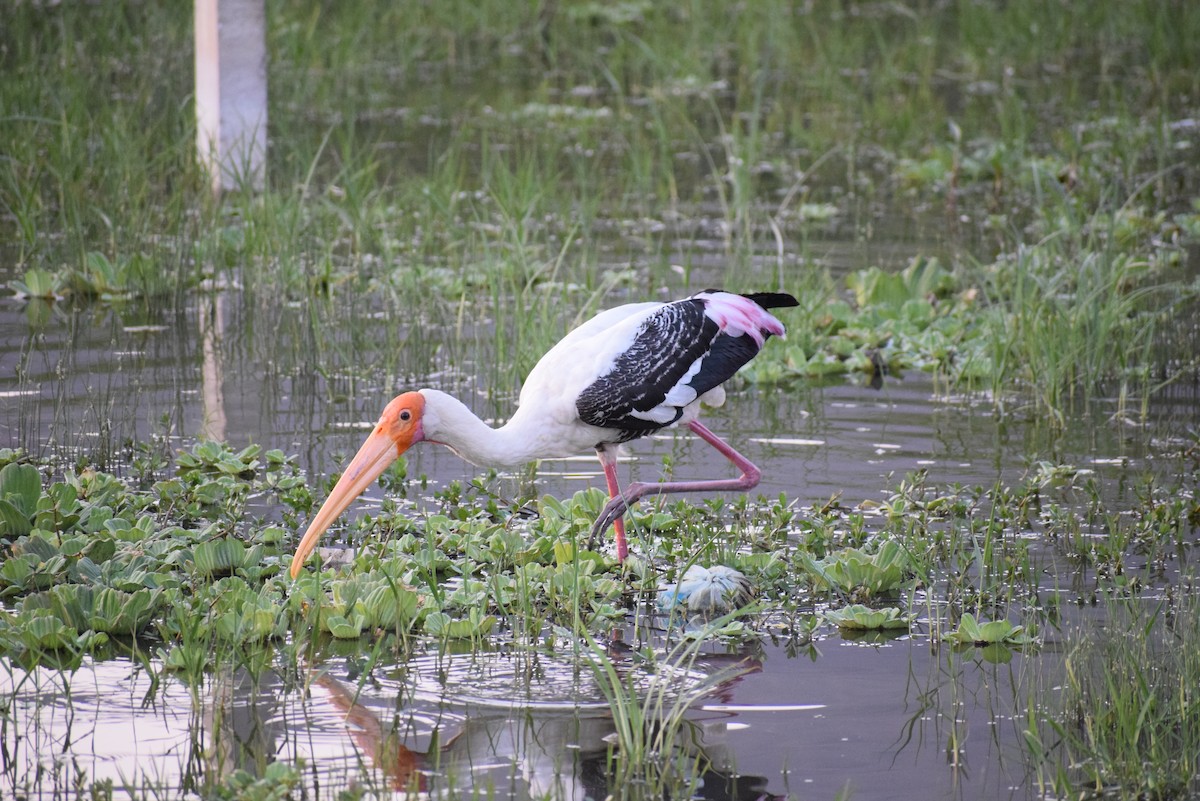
{"points": [[772, 300], [768, 300]]}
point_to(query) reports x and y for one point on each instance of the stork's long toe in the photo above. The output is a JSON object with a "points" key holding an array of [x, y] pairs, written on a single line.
{"points": [[613, 511]]}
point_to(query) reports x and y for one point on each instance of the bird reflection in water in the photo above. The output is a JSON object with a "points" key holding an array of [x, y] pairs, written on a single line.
{"points": [[561, 753]]}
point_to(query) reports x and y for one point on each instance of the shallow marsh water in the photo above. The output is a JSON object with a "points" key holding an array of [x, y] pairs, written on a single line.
{"points": [[883, 717], [677, 154]]}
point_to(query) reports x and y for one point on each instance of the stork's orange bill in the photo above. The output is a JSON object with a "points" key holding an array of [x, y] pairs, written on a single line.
{"points": [[397, 430]]}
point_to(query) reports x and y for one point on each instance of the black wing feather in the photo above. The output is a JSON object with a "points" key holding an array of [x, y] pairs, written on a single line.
{"points": [[727, 356], [666, 346]]}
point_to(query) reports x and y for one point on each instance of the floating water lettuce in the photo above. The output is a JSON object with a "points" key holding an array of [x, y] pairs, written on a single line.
{"points": [[477, 624], [244, 614], [861, 574], [857, 616], [373, 600], [223, 557], [20, 490], [973, 632], [38, 284], [76, 618], [217, 458]]}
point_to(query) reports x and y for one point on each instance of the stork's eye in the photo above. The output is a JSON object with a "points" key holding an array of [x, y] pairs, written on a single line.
{"points": [[406, 415]]}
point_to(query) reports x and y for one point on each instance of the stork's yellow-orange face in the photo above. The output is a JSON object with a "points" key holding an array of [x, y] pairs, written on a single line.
{"points": [[398, 429]]}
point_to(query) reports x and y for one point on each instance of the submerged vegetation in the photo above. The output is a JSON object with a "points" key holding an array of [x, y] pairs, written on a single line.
{"points": [[1005, 196]]}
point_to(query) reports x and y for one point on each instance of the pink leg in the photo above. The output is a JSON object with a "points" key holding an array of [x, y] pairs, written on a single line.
{"points": [[615, 509], [608, 460]]}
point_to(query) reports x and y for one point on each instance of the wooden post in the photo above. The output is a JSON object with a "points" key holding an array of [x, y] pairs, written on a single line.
{"points": [[231, 92]]}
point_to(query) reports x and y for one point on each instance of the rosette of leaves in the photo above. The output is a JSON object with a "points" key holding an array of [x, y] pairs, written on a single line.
{"points": [[858, 574], [707, 590], [371, 601], [994, 639], [993, 632], [36, 563], [864, 618], [40, 629], [241, 614], [136, 275], [38, 283], [72, 616], [20, 491], [215, 458], [223, 557], [476, 624]]}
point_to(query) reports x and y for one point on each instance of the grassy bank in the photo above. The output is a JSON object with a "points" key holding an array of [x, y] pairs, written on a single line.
{"points": [[522, 160]]}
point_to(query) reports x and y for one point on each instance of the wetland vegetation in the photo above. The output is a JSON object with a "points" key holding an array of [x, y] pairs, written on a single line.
{"points": [[994, 208]]}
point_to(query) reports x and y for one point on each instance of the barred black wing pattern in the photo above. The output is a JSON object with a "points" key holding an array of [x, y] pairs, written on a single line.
{"points": [[666, 347]]}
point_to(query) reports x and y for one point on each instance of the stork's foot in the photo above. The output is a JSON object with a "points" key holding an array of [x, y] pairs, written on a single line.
{"points": [[611, 515]]}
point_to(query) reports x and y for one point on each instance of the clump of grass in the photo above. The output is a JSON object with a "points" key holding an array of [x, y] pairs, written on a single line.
{"points": [[1071, 316], [1129, 713], [657, 753]]}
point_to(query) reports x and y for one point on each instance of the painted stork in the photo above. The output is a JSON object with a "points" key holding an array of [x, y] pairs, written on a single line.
{"points": [[623, 374]]}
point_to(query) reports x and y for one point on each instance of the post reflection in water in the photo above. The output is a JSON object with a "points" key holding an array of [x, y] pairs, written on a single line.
{"points": [[211, 316]]}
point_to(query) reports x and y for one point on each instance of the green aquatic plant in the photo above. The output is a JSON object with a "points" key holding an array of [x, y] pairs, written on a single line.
{"points": [[703, 590], [859, 574], [278, 781], [377, 600], [241, 613], [38, 283], [222, 557], [77, 618], [20, 492], [860, 617], [217, 458], [137, 275], [655, 748], [475, 626], [972, 632], [1127, 714]]}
